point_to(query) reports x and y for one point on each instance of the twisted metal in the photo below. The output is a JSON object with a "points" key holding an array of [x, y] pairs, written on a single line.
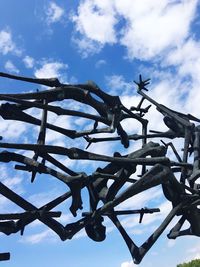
{"points": [[179, 178]]}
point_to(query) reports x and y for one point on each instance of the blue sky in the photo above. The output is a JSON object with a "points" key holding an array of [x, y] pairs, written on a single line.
{"points": [[111, 43]]}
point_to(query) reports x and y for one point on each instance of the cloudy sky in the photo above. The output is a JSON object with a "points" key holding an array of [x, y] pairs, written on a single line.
{"points": [[111, 43]]}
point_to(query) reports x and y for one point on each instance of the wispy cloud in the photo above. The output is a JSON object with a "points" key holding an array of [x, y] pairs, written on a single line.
{"points": [[54, 13], [12, 129], [117, 85], [10, 67], [29, 62], [100, 63], [85, 46], [7, 44], [46, 236], [149, 198], [44, 197]]}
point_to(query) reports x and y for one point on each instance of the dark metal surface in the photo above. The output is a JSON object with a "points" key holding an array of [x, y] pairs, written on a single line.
{"points": [[179, 177]]}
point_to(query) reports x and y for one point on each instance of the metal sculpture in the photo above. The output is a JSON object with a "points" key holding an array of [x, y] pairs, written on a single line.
{"points": [[177, 177]]}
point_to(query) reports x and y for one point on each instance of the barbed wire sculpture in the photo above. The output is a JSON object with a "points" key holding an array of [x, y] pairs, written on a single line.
{"points": [[178, 177]]}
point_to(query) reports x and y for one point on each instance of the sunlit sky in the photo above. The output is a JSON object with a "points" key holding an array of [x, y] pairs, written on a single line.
{"points": [[110, 43]]}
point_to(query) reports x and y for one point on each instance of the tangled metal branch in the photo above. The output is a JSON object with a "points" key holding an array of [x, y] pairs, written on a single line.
{"points": [[179, 177]]}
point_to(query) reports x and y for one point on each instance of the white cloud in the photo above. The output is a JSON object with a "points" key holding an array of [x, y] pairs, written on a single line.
{"points": [[86, 47], [7, 44], [10, 67], [100, 63], [29, 62], [154, 26], [140, 201], [45, 236], [40, 199], [128, 264], [117, 85], [54, 13], [50, 70], [164, 207], [65, 122], [95, 20], [12, 182], [12, 129], [188, 51], [149, 28], [95, 26], [186, 58]]}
